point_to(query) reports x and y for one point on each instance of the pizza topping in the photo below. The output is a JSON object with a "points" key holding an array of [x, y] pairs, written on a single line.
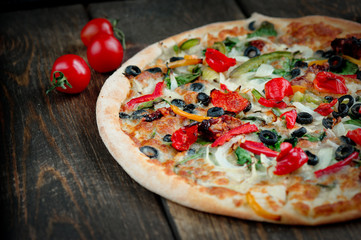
{"points": [[229, 101], [337, 166], [255, 62], [203, 99], [252, 52], [278, 88], [153, 116], [265, 29], [189, 43], [132, 70], [268, 137], [184, 62], [356, 110], [149, 151], [218, 61], [213, 128], [258, 148], [243, 129], [290, 117], [312, 158], [343, 151], [272, 103], [290, 159], [158, 91], [304, 118], [326, 108], [348, 46], [215, 112], [184, 137], [355, 135], [191, 116], [342, 111], [330, 83], [299, 132]]}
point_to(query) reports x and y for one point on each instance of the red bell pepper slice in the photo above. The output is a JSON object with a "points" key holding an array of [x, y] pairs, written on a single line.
{"points": [[290, 159], [290, 117], [330, 83], [354, 76], [258, 148], [218, 61], [355, 135], [158, 91], [243, 129], [326, 108], [272, 103], [337, 166], [184, 137], [229, 101], [278, 88]]}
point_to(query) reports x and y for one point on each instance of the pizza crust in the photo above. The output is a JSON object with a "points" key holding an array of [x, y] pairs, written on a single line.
{"points": [[152, 175]]}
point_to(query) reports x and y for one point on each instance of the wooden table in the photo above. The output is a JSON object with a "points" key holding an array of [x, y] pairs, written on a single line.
{"points": [[58, 181]]}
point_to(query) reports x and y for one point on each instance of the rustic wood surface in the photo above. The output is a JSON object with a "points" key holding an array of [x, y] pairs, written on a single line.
{"points": [[57, 179]]}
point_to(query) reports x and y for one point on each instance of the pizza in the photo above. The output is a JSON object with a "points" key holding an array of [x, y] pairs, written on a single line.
{"points": [[258, 119]]}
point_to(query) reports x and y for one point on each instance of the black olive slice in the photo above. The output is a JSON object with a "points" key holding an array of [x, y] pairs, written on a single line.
{"points": [[268, 137], [301, 64], [299, 132], [328, 54], [149, 151], [173, 59], [124, 115], [203, 98], [139, 114], [154, 70], [178, 102], [215, 112], [344, 151], [347, 140], [132, 70], [312, 158], [358, 74], [249, 107], [304, 118], [167, 138], [196, 87], [251, 26], [336, 63], [342, 111], [327, 122], [252, 52], [189, 108], [351, 100], [355, 110], [328, 98], [295, 72]]}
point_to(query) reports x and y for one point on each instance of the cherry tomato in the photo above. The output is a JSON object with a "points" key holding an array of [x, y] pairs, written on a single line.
{"points": [[105, 53], [70, 74], [95, 27]]}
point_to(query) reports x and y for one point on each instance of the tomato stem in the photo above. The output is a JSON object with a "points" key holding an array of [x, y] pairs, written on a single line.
{"points": [[118, 33], [59, 80]]}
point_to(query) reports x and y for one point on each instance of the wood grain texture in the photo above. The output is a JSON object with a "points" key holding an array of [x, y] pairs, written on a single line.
{"points": [[349, 9], [57, 179]]}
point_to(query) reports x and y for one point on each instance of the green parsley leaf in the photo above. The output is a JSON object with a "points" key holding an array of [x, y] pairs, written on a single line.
{"points": [[266, 29], [243, 156]]}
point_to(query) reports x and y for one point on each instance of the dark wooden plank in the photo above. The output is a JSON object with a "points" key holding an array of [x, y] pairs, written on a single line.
{"points": [[192, 224], [350, 9], [57, 180], [146, 22]]}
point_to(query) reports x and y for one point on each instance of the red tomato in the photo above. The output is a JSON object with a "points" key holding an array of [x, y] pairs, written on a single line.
{"points": [[105, 53], [72, 74], [94, 27]]}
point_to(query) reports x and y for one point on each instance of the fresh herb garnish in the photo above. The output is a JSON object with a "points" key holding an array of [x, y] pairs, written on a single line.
{"points": [[348, 68], [266, 29], [183, 78], [243, 156], [356, 122], [313, 138]]}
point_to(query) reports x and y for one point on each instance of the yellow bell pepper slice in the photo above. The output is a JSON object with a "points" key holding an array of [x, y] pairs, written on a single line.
{"points": [[353, 60], [191, 116], [298, 88], [317, 62], [184, 62], [259, 210]]}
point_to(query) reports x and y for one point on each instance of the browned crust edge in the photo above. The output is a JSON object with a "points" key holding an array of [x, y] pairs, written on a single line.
{"points": [[152, 176]]}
